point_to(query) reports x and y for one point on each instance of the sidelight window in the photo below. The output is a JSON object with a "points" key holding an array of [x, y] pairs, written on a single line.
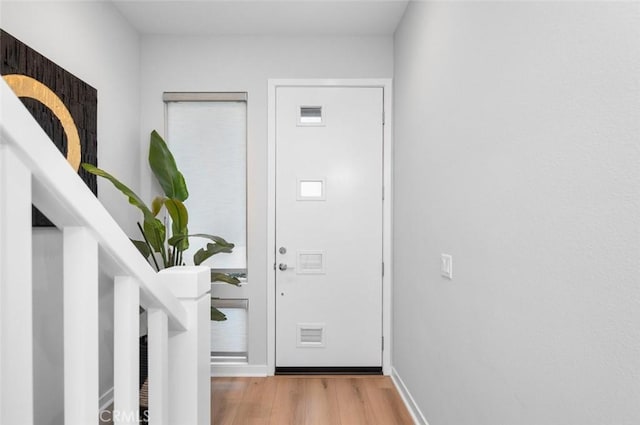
{"points": [[207, 132]]}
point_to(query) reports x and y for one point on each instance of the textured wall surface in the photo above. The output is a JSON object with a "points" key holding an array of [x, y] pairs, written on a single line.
{"points": [[517, 150]]}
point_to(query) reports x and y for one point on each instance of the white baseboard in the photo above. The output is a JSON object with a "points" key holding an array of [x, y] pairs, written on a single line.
{"points": [[238, 369], [416, 414], [106, 399]]}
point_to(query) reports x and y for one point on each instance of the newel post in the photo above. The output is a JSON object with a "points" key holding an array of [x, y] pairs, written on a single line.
{"points": [[189, 352]]}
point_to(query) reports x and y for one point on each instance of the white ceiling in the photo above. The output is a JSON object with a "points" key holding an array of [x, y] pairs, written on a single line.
{"points": [[263, 17]]}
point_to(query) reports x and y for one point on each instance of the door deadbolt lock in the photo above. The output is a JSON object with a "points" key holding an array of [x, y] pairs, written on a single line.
{"points": [[282, 250]]}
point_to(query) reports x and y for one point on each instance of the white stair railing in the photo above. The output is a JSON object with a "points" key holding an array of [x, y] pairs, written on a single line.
{"points": [[177, 300]]}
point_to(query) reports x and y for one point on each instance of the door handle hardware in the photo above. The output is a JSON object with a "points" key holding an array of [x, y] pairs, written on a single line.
{"points": [[283, 267]]}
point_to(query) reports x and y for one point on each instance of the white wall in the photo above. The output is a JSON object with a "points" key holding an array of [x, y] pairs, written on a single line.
{"points": [[92, 41], [517, 150], [172, 63]]}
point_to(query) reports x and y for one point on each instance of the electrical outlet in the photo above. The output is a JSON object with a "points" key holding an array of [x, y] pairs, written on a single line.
{"points": [[446, 266]]}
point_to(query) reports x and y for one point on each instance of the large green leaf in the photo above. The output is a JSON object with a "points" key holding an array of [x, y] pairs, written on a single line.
{"points": [[142, 247], [156, 205], [153, 229], [212, 249], [163, 165], [155, 232], [217, 239], [179, 221], [217, 315], [133, 198], [223, 277]]}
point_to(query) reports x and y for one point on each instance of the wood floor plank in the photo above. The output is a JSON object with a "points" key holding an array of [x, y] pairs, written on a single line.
{"points": [[289, 407], [321, 402], [226, 399], [386, 404], [307, 400], [353, 402], [257, 402]]}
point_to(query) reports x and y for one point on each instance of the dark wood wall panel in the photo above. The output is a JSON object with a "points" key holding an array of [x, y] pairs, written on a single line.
{"points": [[79, 97]]}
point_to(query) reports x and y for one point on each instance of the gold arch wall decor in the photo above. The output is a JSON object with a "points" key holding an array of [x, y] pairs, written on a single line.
{"points": [[65, 107], [25, 86]]}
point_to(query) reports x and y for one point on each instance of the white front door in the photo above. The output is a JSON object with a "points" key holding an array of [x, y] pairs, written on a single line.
{"points": [[329, 190]]}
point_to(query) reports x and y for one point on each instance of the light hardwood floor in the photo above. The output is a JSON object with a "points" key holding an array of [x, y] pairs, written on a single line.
{"points": [[307, 400]]}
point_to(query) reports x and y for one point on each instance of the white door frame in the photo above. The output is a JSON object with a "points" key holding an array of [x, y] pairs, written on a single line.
{"points": [[386, 85]]}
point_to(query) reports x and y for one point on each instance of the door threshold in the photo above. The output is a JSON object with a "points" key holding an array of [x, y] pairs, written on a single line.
{"points": [[331, 370]]}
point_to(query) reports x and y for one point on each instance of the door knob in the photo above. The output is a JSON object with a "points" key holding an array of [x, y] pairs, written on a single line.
{"points": [[283, 267]]}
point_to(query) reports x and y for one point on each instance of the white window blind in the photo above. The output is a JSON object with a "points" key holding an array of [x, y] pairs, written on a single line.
{"points": [[208, 139], [229, 338]]}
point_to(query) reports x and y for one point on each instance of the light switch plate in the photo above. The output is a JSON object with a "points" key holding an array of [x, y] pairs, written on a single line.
{"points": [[446, 266]]}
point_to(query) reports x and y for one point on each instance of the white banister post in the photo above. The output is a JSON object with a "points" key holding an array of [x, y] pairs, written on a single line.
{"points": [[16, 336], [158, 347], [81, 373], [189, 352], [126, 351]]}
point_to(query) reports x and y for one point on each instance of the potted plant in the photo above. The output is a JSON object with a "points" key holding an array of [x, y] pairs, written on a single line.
{"points": [[164, 247]]}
